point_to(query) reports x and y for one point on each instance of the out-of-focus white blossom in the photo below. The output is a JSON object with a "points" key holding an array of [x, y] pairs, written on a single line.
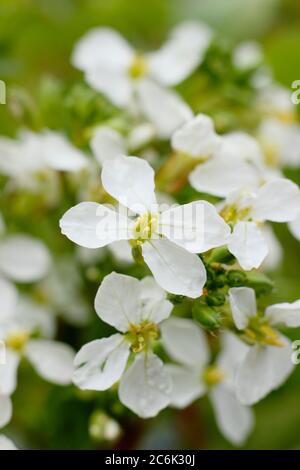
{"points": [[193, 376]]}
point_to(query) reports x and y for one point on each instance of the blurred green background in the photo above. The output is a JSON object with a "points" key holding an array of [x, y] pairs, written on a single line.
{"points": [[36, 39]]}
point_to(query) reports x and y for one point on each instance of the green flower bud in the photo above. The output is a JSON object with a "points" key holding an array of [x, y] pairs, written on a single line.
{"points": [[215, 300], [259, 282], [236, 278], [175, 299], [221, 255], [207, 316], [221, 280]]}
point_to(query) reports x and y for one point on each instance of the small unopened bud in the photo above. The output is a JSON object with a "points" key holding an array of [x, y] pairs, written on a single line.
{"points": [[103, 428], [221, 255], [259, 282], [236, 278], [207, 316], [215, 300], [175, 299]]}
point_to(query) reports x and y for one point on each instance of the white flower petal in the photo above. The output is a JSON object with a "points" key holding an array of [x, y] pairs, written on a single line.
{"points": [[247, 55], [248, 245], [197, 138], [275, 253], [5, 410], [196, 226], [176, 270], [232, 353], [100, 363], [140, 135], [286, 313], [10, 157], [114, 84], [156, 311], [24, 258], [164, 108], [8, 373], [181, 54], [150, 290], [94, 225], [53, 360], [102, 47], [106, 144], [220, 176], [118, 301], [234, 419], [240, 146], [121, 251], [8, 300], [60, 154], [243, 305], [146, 386], [185, 342], [277, 201], [6, 444], [294, 227], [130, 180], [31, 316], [187, 386], [264, 369]]}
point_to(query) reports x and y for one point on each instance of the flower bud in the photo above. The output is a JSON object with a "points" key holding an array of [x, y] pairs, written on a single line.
{"points": [[103, 428], [175, 299], [221, 255], [207, 316], [215, 300], [259, 282], [236, 278]]}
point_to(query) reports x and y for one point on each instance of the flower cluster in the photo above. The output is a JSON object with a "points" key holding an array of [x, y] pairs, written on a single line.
{"points": [[181, 270]]}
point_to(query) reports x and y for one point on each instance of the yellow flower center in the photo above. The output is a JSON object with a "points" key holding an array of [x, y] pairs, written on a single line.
{"points": [[138, 67], [17, 340], [141, 336], [213, 375], [258, 331], [231, 214], [146, 225]]}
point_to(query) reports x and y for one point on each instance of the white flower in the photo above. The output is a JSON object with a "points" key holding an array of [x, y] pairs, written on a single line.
{"points": [[112, 67], [281, 142], [163, 108], [35, 154], [275, 201], [6, 444], [235, 162], [63, 283], [168, 240], [107, 143], [197, 138], [267, 363], [22, 259], [185, 343], [294, 227], [247, 55], [20, 319], [135, 308], [275, 251], [274, 100]]}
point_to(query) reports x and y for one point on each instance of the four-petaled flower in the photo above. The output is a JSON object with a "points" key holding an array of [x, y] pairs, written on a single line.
{"points": [[168, 240], [136, 309]]}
